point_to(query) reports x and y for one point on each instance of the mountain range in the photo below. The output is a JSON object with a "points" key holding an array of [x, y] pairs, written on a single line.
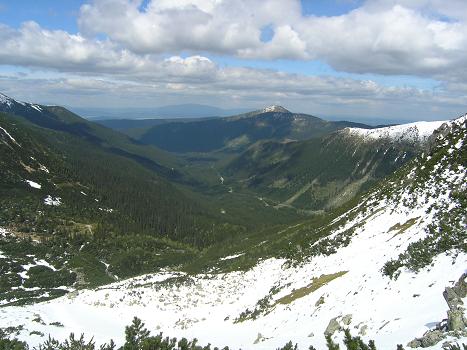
{"points": [[170, 111], [265, 227]]}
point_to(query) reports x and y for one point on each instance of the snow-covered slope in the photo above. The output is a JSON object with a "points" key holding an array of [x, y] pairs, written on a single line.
{"points": [[275, 109], [412, 132], [276, 301], [8, 104]]}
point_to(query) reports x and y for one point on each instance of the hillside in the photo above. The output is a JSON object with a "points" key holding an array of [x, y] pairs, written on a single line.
{"points": [[235, 133], [325, 172], [379, 267], [73, 192]]}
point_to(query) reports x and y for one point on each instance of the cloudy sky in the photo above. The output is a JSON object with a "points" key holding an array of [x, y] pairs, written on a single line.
{"points": [[380, 59]]}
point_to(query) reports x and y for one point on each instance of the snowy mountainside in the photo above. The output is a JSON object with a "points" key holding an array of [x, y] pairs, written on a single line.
{"points": [[412, 228], [8, 104], [411, 132]]}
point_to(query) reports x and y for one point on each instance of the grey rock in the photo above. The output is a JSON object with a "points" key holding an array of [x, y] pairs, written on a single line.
{"points": [[456, 320], [432, 338], [259, 338], [414, 343], [347, 319], [332, 327], [461, 286], [453, 300]]}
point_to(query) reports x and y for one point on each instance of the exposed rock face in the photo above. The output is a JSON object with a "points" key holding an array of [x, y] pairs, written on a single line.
{"points": [[456, 322], [431, 338], [453, 297], [363, 330], [332, 327], [347, 319]]}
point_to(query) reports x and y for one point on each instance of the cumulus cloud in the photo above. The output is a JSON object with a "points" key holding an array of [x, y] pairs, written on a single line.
{"points": [[383, 36], [162, 48]]}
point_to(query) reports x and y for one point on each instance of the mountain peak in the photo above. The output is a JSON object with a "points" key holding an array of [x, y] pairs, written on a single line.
{"points": [[275, 108], [4, 99]]}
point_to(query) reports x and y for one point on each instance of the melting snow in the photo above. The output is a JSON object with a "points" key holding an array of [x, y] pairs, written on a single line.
{"points": [[36, 107], [44, 168], [230, 257], [3, 232], [55, 201], [8, 134], [6, 100], [274, 108], [33, 184]]}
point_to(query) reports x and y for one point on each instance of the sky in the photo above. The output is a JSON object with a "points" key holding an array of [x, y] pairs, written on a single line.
{"points": [[399, 60]]}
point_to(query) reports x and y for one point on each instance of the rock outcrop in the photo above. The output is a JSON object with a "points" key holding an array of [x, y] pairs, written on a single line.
{"points": [[456, 322]]}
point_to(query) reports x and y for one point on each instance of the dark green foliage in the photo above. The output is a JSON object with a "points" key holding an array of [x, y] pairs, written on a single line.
{"points": [[135, 334], [317, 174], [236, 132], [11, 344], [330, 343], [45, 277], [456, 347], [137, 337], [288, 346], [73, 343]]}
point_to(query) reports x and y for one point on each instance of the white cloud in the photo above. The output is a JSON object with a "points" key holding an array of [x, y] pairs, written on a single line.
{"points": [[160, 51], [383, 36]]}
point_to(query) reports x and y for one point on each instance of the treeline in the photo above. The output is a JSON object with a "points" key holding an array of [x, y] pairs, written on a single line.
{"points": [[137, 337]]}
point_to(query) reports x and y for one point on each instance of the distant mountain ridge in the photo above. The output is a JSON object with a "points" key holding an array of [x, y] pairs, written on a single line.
{"points": [[171, 111], [235, 133]]}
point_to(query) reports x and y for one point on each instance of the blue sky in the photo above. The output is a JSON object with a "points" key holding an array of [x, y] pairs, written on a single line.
{"points": [[62, 14], [50, 14], [375, 58]]}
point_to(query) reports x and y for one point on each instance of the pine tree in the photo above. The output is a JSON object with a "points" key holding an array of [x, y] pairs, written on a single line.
{"points": [[135, 335]]}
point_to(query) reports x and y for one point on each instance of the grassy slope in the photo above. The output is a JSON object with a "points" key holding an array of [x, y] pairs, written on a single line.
{"points": [[319, 173]]}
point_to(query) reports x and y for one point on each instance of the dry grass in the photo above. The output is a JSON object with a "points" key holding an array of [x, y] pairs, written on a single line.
{"points": [[315, 284]]}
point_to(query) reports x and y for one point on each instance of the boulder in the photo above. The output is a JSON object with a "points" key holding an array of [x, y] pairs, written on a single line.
{"points": [[347, 319], [259, 338], [363, 330], [431, 338], [456, 320], [332, 327], [414, 343], [453, 300], [461, 286]]}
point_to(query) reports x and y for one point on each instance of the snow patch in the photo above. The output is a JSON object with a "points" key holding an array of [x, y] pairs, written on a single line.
{"points": [[44, 168], [230, 257], [55, 201], [6, 100], [33, 184], [274, 108], [413, 132], [36, 107], [11, 137], [3, 232]]}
